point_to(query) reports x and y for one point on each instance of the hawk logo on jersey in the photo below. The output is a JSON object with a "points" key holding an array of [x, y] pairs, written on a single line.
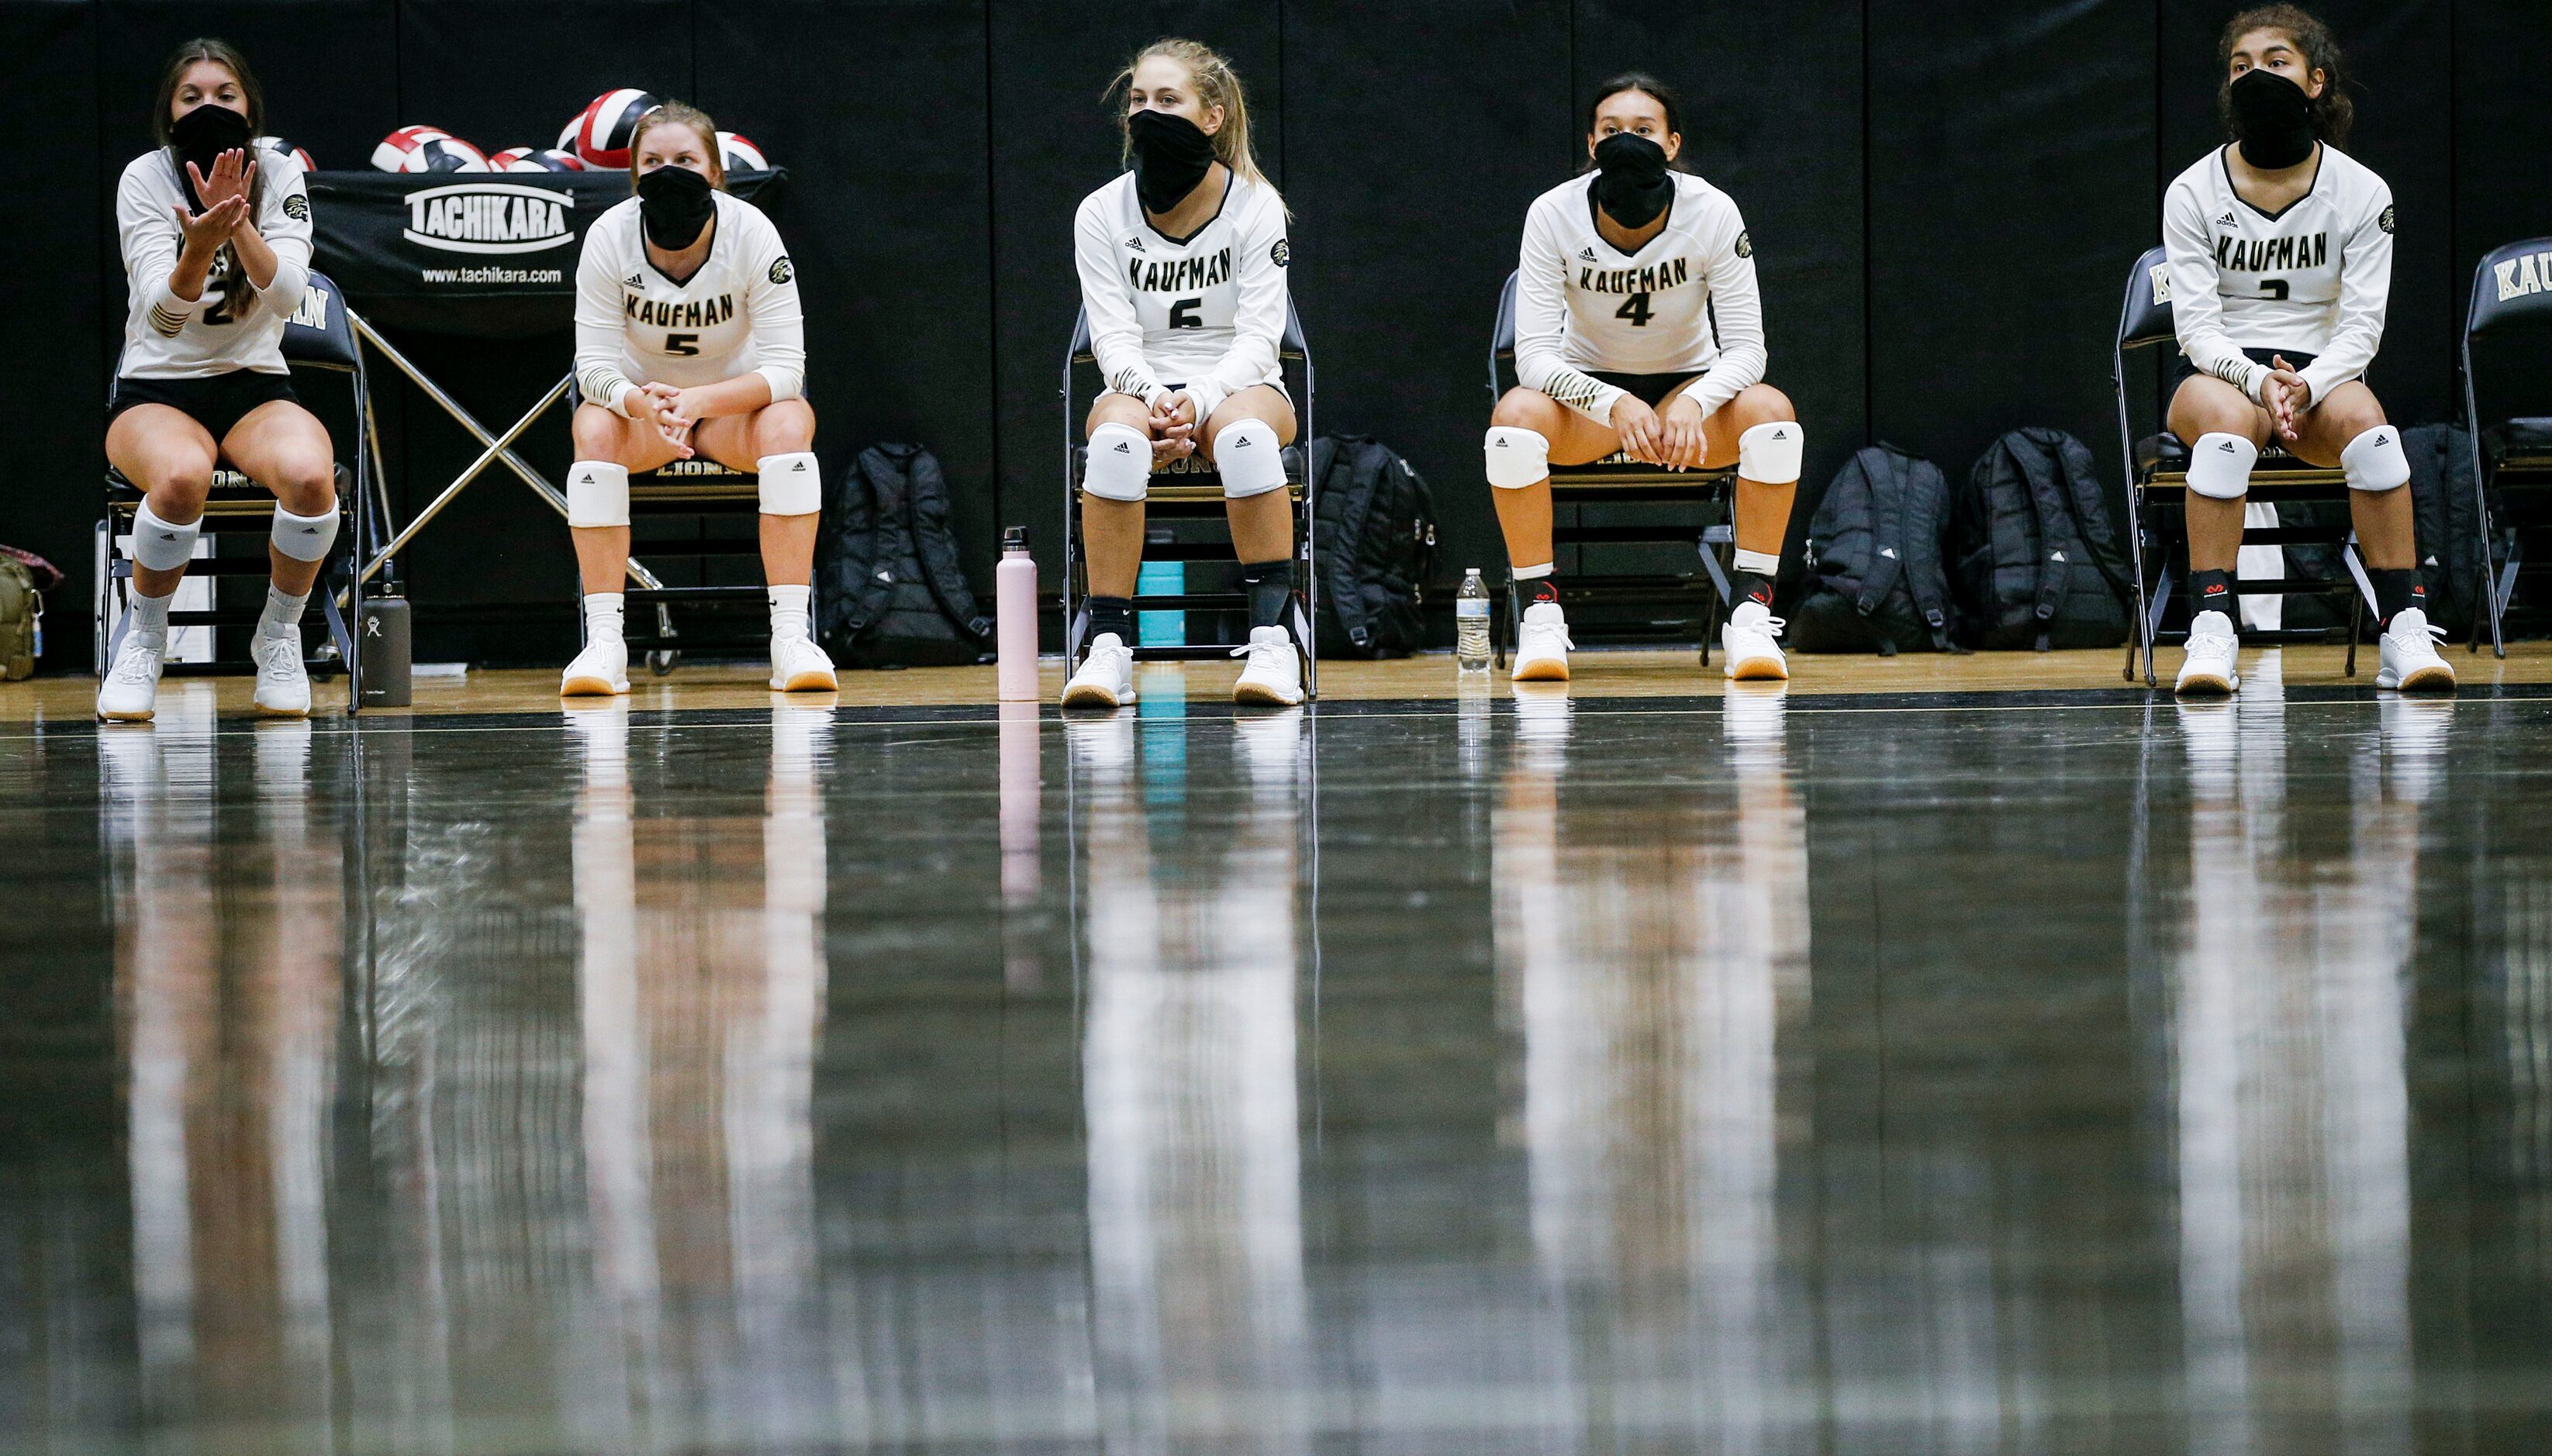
{"points": [[489, 217], [297, 207], [1745, 244], [1279, 254], [781, 271], [2386, 221]]}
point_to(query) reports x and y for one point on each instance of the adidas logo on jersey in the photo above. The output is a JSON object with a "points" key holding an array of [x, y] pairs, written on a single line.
{"points": [[633, 282], [1134, 241], [1587, 253], [2228, 220]]}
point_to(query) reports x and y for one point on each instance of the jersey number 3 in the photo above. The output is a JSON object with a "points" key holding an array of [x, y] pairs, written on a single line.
{"points": [[1635, 309], [2274, 289], [683, 344]]}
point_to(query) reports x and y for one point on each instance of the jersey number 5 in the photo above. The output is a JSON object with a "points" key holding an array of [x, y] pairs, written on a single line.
{"points": [[2274, 289], [684, 344], [1635, 309], [1183, 314]]}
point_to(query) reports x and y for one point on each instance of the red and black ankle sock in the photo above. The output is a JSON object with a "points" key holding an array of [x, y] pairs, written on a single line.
{"points": [[1113, 614], [2211, 591], [1754, 588], [1270, 585], [2396, 589], [1535, 591]]}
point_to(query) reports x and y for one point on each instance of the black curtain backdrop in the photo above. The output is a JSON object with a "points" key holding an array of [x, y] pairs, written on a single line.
{"points": [[1945, 197]]}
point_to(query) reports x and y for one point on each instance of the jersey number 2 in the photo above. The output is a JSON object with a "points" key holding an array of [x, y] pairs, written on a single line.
{"points": [[1183, 314], [1635, 309], [684, 344]]}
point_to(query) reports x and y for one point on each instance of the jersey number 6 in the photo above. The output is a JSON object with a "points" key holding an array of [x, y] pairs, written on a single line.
{"points": [[686, 343], [1183, 314], [1635, 309]]}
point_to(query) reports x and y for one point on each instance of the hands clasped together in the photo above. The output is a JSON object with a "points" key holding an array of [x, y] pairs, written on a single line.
{"points": [[1675, 439]]}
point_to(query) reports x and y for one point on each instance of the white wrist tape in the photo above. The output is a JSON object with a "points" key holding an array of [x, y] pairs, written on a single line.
{"points": [[161, 545], [2219, 466], [305, 538], [1248, 458], [605, 386], [2374, 460], [1770, 453], [597, 493], [792, 485], [1515, 457], [168, 312], [1121, 462]]}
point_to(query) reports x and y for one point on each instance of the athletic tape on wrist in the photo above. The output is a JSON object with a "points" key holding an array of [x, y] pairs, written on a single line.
{"points": [[597, 493], [161, 545], [2374, 460], [2219, 466], [305, 538], [1248, 458], [1515, 457], [1770, 453], [792, 485], [1121, 462]]}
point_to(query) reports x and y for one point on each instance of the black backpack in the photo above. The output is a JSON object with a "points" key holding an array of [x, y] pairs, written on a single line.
{"points": [[889, 589], [1874, 578], [2448, 521], [1375, 540], [2038, 563]]}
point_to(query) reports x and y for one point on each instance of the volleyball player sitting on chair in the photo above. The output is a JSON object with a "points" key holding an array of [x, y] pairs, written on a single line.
{"points": [[2280, 248], [689, 340], [1639, 329], [216, 242]]}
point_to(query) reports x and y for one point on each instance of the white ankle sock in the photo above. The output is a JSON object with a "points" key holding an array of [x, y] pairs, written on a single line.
{"points": [[282, 613], [789, 611], [151, 613], [601, 616]]}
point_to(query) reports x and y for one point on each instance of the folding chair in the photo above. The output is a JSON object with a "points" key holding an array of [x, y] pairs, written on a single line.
{"points": [[2511, 290], [240, 511], [1706, 519], [2157, 473], [673, 512], [1186, 493]]}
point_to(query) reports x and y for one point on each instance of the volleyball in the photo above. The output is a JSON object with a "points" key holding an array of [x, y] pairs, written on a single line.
{"points": [[282, 148], [526, 160], [601, 133], [737, 154], [427, 149]]}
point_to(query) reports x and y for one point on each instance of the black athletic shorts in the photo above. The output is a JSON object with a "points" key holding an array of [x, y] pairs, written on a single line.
{"points": [[1651, 389], [216, 401], [2183, 368]]}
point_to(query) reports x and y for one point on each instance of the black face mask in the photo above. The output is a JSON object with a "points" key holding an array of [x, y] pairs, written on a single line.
{"points": [[674, 204], [202, 135], [1172, 154], [2272, 120], [1633, 186]]}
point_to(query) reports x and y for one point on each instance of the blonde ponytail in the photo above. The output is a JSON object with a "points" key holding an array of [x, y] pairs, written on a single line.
{"points": [[1216, 85]]}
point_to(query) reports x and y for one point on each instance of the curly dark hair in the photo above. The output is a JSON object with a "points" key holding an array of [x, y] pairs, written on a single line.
{"points": [[2333, 113]]}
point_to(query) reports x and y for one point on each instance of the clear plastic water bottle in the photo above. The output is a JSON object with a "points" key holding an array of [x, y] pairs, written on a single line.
{"points": [[1471, 623]]}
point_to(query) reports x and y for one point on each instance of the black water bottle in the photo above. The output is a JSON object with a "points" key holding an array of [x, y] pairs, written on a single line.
{"points": [[383, 624]]}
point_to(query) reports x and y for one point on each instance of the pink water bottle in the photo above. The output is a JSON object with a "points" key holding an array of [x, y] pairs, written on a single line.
{"points": [[1015, 618]]}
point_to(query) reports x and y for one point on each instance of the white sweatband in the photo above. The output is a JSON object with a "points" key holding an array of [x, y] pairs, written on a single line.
{"points": [[785, 384], [605, 386], [2219, 466], [597, 493], [1770, 453], [161, 545], [1516, 456], [1761, 563], [2374, 460], [792, 485], [305, 538], [1121, 462], [168, 312], [1528, 574], [1248, 458]]}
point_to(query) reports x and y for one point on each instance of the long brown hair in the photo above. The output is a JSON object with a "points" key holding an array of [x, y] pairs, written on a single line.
{"points": [[1216, 85], [2333, 113], [678, 114], [223, 54]]}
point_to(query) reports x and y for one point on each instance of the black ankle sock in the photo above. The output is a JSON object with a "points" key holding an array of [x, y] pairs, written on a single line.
{"points": [[1750, 588], [1270, 585], [1537, 590], [2395, 590], [2211, 591], [1113, 614]]}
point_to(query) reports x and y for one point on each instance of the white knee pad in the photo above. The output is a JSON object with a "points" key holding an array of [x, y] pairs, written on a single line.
{"points": [[792, 485], [2219, 466], [1248, 458], [1770, 453], [305, 538], [2374, 460], [160, 546], [1121, 462], [1516, 456], [597, 493]]}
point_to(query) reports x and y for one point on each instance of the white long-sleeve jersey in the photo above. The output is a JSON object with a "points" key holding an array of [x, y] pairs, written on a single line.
{"points": [[2314, 279], [1684, 303], [738, 314], [1207, 312], [232, 324]]}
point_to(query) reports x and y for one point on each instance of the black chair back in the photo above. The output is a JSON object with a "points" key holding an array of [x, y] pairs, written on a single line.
{"points": [[1502, 343], [2145, 316], [2512, 287], [319, 335]]}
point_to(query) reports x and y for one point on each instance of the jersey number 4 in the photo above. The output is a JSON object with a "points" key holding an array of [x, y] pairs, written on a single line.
{"points": [[683, 344], [1635, 309], [1183, 314]]}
